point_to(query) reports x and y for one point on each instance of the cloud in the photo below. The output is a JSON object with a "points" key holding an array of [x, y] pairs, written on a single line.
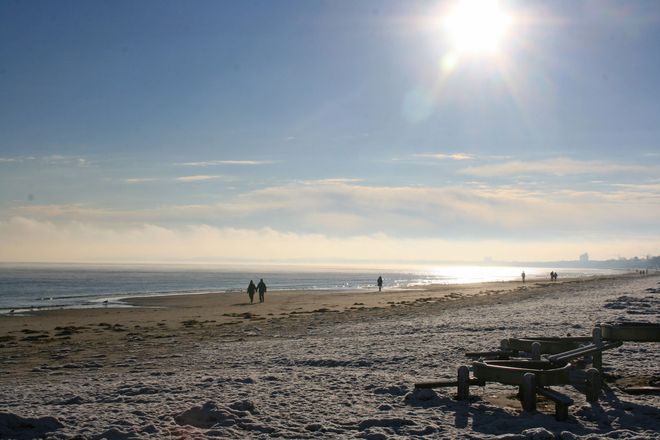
{"points": [[26, 239], [139, 179], [198, 178], [443, 156], [453, 208], [66, 160], [209, 163], [344, 207], [52, 159], [16, 159], [333, 181], [554, 167]]}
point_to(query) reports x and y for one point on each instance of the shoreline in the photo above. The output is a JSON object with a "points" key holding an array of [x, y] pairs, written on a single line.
{"points": [[233, 308], [109, 293], [118, 301]]}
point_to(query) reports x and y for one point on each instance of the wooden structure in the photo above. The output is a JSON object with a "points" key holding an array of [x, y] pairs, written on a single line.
{"points": [[536, 364]]}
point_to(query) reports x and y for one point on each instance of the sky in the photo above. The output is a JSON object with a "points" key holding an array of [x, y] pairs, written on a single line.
{"points": [[317, 132]]}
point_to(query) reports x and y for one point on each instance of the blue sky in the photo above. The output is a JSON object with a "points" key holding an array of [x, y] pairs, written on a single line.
{"points": [[326, 131]]}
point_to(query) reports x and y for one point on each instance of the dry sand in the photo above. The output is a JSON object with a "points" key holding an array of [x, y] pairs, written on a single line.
{"points": [[310, 364]]}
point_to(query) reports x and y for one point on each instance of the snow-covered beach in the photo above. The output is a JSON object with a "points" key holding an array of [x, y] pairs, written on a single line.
{"points": [[317, 366]]}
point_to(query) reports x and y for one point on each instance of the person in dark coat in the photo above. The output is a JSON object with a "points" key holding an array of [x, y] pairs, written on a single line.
{"points": [[261, 287], [380, 283], [250, 290]]}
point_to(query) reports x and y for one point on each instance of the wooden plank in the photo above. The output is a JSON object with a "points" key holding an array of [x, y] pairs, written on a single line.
{"points": [[499, 354], [642, 390], [555, 396], [562, 402], [437, 384], [583, 351], [448, 383]]}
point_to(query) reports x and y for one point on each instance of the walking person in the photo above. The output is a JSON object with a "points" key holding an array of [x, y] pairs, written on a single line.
{"points": [[380, 283], [261, 287], [250, 290], [523, 276]]}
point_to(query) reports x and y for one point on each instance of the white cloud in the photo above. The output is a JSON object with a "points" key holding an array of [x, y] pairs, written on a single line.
{"points": [[333, 181], [554, 167], [443, 156], [16, 159], [344, 207], [198, 178], [452, 207], [52, 159], [139, 179], [209, 163], [26, 239]]}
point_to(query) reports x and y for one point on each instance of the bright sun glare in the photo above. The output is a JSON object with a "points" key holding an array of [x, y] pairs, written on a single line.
{"points": [[477, 26]]}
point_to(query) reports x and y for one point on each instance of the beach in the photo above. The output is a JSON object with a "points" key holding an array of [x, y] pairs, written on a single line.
{"points": [[310, 364]]}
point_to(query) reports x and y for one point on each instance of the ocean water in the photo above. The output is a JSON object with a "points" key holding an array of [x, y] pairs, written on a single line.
{"points": [[25, 287]]}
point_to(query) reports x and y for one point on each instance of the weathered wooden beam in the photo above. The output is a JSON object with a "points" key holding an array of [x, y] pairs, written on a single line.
{"points": [[583, 351], [447, 383], [463, 383], [528, 392], [594, 385], [497, 354], [561, 401], [642, 390], [437, 384]]}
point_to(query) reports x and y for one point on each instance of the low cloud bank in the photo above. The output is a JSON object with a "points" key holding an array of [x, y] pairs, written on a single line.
{"points": [[29, 240]]}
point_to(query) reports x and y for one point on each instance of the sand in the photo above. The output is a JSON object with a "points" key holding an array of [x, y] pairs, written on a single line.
{"points": [[316, 364]]}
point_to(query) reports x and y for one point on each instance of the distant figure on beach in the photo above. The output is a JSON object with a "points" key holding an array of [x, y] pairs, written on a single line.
{"points": [[250, 290], [523, 276], [553, 276], [261, 287], [380, 283]]}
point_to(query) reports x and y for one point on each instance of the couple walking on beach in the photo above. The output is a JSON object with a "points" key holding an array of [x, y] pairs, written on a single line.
{"points": [[261, 288]]}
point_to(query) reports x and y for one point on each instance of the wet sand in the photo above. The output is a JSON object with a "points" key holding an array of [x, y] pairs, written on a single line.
{"points": [[235, 308], [230, 315]]}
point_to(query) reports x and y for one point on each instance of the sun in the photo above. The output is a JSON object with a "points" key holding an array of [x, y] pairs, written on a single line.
{"points": [[477, 26]]}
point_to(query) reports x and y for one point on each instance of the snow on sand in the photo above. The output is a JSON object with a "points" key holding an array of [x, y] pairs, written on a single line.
{"points": [[347, 374]]}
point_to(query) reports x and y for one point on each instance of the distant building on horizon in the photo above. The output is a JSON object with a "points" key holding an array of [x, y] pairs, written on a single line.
{"points": [[584, 258]]}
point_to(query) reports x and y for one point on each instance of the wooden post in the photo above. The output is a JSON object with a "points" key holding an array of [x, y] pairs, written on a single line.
{"points": [[463, 383], [528, 392], [597, 358], [536, 351], [561, 412], [594, 385]]}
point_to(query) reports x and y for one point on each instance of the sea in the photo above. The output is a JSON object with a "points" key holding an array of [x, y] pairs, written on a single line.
{"points": [[26, 287]]}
